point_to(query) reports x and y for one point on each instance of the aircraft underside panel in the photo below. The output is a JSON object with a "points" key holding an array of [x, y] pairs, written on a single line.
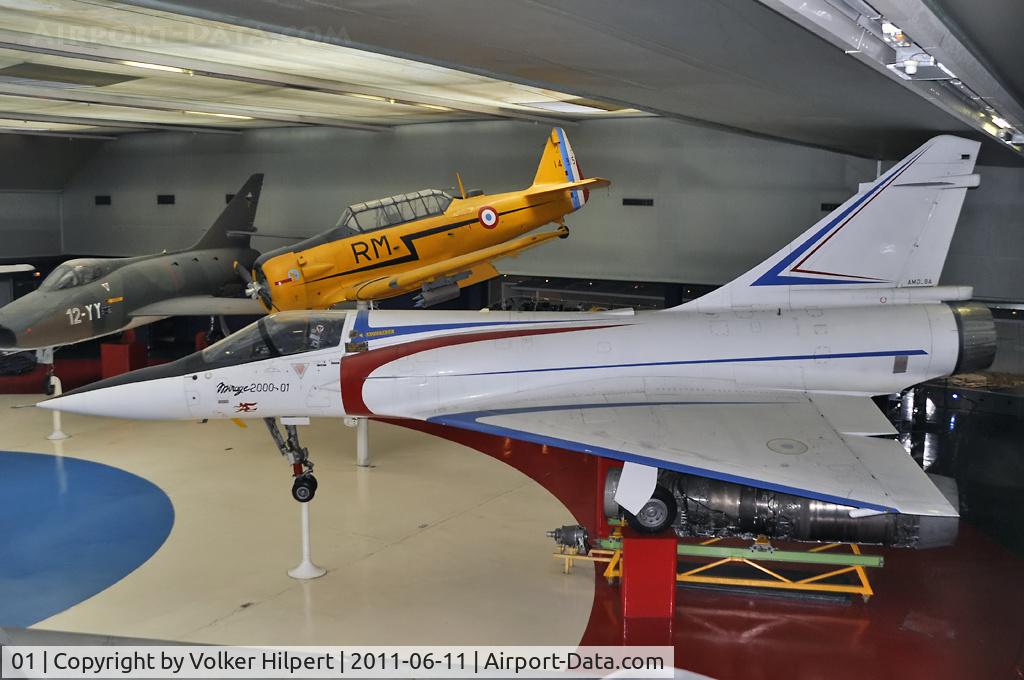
{"points": [[789, 447]]}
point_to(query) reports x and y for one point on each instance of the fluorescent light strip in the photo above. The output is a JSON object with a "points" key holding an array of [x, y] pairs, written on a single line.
{"points": [[156, 67], [219, 115]]}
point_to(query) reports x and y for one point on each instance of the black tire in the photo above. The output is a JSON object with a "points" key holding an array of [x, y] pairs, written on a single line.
{"points": [[303, 490], [313, 481], [657, 515]]}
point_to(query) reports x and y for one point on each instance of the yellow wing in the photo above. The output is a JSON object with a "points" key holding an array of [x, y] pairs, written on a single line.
{"points": [[477, 263]]}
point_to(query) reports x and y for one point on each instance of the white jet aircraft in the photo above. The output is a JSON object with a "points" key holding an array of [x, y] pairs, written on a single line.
{"points": [[765, 382]]}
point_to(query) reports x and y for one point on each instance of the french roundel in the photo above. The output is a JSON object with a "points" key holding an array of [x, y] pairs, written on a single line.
{"points": [[488, 217]]}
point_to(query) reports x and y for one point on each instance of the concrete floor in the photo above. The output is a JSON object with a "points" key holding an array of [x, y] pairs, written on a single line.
{"points": [[436, 544]]}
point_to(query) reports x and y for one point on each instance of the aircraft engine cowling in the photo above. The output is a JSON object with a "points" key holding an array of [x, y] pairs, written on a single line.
{"points": [[977, 332]]}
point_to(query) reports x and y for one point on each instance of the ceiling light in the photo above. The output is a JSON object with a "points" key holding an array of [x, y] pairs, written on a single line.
{"points": [[218, 115], [1001, 122], [366, 96], [435, 107], [990, 128], [156, 67], [563, 107]]}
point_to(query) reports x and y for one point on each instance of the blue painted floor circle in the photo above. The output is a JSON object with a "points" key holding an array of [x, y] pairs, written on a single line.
{"points": [[70, 528]]}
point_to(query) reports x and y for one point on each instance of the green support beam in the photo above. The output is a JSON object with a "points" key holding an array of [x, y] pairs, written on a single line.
{"points": [[718, 552]]}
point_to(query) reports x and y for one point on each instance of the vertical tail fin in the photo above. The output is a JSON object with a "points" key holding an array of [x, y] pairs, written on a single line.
{"points": [[558, 166], [231, 227], [894, 233]]}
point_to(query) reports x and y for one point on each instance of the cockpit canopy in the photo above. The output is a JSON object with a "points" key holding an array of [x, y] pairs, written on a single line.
{"points": [[370, 216], [278, 335], [387, 212], [76, 273]]}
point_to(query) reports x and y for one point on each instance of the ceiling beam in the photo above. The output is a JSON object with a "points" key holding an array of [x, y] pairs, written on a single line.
{"points": [[95, 96], [70, 49], [121, 124], [51, 133]]}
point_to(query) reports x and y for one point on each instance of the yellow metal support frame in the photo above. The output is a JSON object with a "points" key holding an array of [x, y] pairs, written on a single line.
{"points": [[771, 579]]}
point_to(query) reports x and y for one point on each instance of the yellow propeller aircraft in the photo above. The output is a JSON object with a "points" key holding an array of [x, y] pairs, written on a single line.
{"points": [[425, 240]]}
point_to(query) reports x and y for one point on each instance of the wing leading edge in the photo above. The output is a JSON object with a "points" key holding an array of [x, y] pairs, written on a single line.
{"points": [[789, 447]]}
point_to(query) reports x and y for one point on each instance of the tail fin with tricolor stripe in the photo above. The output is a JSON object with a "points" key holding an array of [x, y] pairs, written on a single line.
{"points": [[558, 167]]}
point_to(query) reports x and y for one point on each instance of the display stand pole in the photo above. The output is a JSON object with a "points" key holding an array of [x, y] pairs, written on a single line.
{"points": [[363, 443], [362, 424], [306, 569], [57, 433]]}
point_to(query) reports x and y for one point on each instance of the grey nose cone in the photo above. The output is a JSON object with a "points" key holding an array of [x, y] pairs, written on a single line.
{"points": [[7, 338]]}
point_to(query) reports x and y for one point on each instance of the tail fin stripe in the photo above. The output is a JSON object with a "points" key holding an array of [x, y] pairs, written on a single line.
{"points": [[570, 171], [772, 276]]}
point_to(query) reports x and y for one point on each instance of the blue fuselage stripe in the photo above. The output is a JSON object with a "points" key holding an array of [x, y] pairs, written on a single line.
{"points": [[686, 362], [364, 331]]}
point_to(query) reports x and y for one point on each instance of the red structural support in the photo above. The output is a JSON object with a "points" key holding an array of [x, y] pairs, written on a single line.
{"points": [[649, 577]]}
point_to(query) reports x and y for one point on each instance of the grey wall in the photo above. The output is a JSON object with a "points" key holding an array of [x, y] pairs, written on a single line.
{"points": [[29, 224], [988, 247], [723, 202], [32, 175]]}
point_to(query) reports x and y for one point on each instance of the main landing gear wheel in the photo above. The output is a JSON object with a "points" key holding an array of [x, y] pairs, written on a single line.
{"points": [[304, 484], [656, 515], [304, 488]]}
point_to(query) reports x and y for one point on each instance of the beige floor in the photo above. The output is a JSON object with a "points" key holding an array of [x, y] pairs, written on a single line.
{"points": [[436, 544]]}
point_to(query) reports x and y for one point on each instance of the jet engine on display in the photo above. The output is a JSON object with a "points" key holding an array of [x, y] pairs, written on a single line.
{"points": [[752, 405]]}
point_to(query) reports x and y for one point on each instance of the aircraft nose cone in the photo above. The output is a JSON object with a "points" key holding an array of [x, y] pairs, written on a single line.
{"points": [[160, 399]]}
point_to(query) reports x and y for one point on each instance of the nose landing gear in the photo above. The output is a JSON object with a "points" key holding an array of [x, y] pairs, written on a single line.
{"points": [[304, 484]]}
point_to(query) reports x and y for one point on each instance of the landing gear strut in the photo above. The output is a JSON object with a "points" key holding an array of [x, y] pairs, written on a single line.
{"points": [[304, 484]]}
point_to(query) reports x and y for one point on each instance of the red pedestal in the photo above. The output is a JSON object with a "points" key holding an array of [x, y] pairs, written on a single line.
{"points": [[648, 577], [120, 357]]}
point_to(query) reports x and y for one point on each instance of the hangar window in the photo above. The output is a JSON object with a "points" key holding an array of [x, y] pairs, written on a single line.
{"points": [[279, 335]]}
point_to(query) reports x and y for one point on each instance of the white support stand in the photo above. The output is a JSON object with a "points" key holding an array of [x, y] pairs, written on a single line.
{"points": [[362, 425], [57, 433], [306, 570], [363, 442]]}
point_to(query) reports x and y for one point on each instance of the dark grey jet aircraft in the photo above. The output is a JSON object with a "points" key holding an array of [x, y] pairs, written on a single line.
{"points": [[89, 298]]}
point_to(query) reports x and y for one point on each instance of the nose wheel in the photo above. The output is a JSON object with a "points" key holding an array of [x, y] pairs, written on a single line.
{"points": [[304, 487], [304, 484]]}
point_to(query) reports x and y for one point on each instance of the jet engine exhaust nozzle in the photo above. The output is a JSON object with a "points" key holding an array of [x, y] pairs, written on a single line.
{"points": [[977, 330]]}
